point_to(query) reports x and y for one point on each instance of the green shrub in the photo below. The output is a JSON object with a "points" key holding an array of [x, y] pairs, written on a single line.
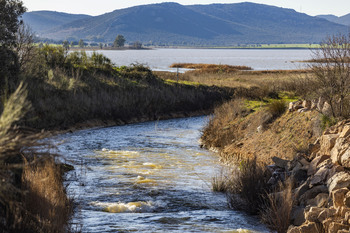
{"points": [[277, 107], [327, 121]]}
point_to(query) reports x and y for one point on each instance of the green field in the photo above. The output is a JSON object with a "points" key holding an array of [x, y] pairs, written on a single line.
{"points": [[272, 46]]}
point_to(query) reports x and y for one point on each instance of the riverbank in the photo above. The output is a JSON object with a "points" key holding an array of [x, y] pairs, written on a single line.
{"points": [[285, 163], [62, 91]]}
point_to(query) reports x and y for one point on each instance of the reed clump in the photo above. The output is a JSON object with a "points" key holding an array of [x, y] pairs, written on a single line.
{"points": [[277, 209], [45, 196], [245, 186]]}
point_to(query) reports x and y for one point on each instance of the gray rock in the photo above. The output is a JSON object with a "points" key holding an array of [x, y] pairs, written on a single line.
{"points": [[320, 200], [282, 163], [312, 214], [312, 193], [315, 162], [297, 215]]}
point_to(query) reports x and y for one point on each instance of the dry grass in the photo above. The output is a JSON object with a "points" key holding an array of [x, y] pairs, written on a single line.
{"points": [[212, 68], [298, 81], [220, 130], [234, 130], [32, 197], [276, 212], [45, 197]]}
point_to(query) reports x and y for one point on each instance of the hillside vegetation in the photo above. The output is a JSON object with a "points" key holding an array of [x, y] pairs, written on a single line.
{"points": [[195, 25]]}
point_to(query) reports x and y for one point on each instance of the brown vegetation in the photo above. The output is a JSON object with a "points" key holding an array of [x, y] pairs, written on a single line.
{"points": [[32, 196], [210, 67], [74, 88], [277, 210], [247, 186]]}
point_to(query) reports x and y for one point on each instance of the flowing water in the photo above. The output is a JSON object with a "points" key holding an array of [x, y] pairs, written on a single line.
{"points": [[148, 177]]}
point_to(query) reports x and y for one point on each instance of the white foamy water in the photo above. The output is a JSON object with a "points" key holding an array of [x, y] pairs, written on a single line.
{"points": [[148, 177]]}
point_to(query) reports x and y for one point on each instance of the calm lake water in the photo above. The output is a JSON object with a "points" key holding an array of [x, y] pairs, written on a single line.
{"points": [[258, 59], [148, 177]]}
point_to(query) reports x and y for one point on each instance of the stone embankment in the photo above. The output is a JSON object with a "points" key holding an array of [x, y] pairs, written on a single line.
{"points": [[322, 177]]}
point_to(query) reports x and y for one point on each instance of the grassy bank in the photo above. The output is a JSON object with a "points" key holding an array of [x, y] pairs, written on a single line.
{"points": [[72, 89]]}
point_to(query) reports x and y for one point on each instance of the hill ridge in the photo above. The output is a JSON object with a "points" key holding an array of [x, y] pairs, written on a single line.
{"points": [[215, 24]]}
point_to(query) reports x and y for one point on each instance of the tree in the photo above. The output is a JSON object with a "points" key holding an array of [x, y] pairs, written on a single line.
{"points": [[331, 66], [119, 41], [66, 44], [10, 11], [136, 45], [81, 43]]}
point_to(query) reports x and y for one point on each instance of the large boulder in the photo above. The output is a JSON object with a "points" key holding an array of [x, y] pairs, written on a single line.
{"points": [[327, 142], [307, 104], [336, 227], [327, 109], [297, 216], [338, 181], [315, 162], [345, 132], [310, 227], [347, 200], [320, 200], [313, 213], [281, 163], [340, 147], [345, 158], [312, 193], [338, 196]]}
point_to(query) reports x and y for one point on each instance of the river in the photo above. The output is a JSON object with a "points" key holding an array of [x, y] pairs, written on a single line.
{"points": [[148, 177], [258, 59]]}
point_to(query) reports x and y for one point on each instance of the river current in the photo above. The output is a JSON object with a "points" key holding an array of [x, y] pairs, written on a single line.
{"points": [[148, 177]]}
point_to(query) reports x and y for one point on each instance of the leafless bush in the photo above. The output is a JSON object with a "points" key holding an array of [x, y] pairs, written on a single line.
{"points": [[24, 45], [331, 67]]}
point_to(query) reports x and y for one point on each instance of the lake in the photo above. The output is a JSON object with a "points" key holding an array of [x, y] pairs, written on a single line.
{"points": [[258, 59]]}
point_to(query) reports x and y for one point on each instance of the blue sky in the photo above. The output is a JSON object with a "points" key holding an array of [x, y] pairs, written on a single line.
{"points": [[97, 7]]}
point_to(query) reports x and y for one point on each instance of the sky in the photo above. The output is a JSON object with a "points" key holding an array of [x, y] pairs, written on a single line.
{"points": [[98, 7]]}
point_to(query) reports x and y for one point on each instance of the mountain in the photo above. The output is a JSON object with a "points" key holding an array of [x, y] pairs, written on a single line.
{"points": [[215, 24], [41, 21], [345, 20]]}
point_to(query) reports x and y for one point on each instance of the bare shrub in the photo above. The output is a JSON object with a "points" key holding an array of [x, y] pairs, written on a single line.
{"points": [[25, 46], [276, 212], [331, 67]]}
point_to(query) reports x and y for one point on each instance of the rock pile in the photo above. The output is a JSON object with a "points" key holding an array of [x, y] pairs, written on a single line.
{"points": [[302, 106], [322, 193]]}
